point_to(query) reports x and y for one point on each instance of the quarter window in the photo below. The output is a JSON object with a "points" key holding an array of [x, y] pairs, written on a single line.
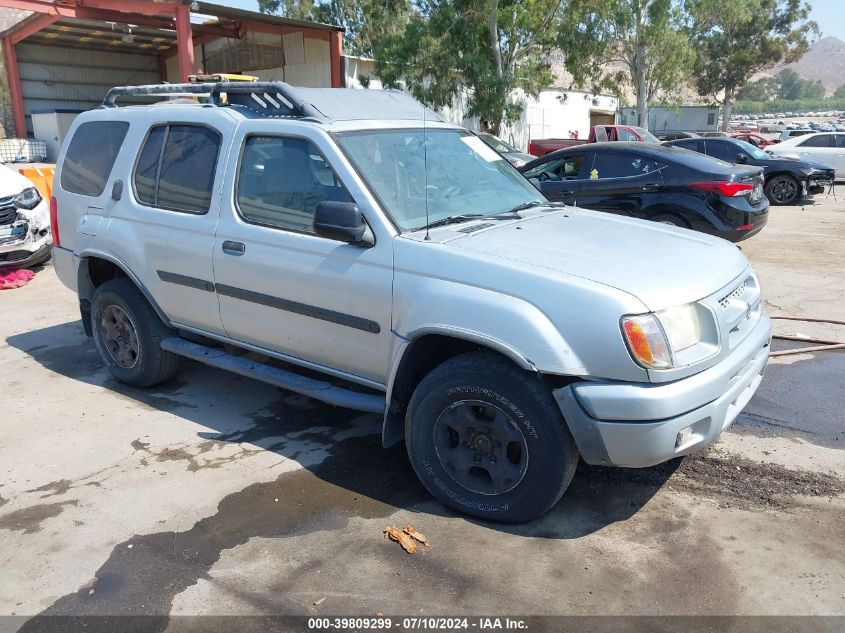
{"points": [[282, 180], [91, 155], [175, 169]]}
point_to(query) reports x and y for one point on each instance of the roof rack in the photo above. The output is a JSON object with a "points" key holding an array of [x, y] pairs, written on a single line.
{"points": [[265, 98]]}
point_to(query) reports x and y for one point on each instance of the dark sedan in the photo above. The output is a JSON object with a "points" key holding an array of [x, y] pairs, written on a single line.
{"points": [[788, 180], [656, 182]]}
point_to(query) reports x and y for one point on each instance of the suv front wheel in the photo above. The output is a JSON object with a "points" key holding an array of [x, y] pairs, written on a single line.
{"points": [[128, 335], [487, 439]]}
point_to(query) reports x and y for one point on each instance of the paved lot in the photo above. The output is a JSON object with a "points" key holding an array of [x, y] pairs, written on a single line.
{"points": [[218, 495]]}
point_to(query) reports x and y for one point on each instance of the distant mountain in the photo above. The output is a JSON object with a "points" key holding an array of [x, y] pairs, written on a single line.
{"points": [[824, 61]]}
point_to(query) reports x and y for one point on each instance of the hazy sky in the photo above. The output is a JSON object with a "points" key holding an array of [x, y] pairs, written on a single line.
{"points": [[828, 13]]}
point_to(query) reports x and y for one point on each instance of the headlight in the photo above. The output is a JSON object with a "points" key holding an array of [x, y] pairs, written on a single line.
{"points": [[28, 198], [652, 338], [681, 325]]}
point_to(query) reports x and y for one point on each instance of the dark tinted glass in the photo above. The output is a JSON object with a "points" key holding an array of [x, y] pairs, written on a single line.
{"points": [[145, 170], [91, 155], [187, 168], [822, 140], [570, 167], [282, 180], [613, 165], [840, 140], [723, 151]]}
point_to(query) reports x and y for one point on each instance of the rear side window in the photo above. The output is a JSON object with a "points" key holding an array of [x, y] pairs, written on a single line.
{"points": [[723, 151], [618, 165], [175, 169], [91, 155], [822, 140]]}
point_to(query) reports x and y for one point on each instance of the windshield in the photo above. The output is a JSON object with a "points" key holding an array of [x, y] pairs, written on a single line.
{"points": [[646, 135], [453, 171], [755, 152], [497, 144]]}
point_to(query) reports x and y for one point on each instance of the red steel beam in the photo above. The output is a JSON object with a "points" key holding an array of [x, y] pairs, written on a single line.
{"points": [[25, 29], [67, 9], [15, 87], [184, 42], [335, 52]]}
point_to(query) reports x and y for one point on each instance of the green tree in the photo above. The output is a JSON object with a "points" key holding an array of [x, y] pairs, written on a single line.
{"points": [[486, 49], [839, 93], [366, 22], [764, 89], [618, 43], [737, 39]]}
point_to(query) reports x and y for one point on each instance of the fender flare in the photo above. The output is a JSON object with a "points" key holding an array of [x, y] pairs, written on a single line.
{"points": [[85, 287]]}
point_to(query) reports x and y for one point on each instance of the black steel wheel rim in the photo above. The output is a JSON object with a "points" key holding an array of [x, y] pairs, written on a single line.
{"points": [[783, 189], [120, 338], [481, 447]]}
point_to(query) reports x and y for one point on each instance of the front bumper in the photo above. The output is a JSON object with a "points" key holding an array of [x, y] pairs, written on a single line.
{"points": [[639, 425]]}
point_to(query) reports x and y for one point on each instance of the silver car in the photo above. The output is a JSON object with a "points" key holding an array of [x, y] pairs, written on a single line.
{"points": [[412, 272]]}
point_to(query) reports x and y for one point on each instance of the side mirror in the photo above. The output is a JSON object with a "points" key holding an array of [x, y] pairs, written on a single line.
{"points": [[741, 158], [343, 222]]}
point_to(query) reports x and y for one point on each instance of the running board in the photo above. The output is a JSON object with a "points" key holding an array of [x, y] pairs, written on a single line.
{"points": [[244, 366]]}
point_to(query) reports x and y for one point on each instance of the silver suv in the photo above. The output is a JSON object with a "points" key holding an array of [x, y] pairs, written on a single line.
{"points": [[380, 259]]}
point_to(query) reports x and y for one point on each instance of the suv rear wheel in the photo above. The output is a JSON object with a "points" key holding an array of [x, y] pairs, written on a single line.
{"points": [[128, 334], [487, 439]]}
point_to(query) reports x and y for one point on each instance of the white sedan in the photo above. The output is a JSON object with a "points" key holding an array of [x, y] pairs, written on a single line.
{"points": [[827, 148], [25, 238]]}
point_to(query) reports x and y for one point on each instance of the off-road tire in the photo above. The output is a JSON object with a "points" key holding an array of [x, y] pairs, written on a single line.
{"points": [[153, 365], [487, 378]]}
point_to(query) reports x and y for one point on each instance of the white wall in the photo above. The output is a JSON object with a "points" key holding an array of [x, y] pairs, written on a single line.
{"points": [[549, 115]]}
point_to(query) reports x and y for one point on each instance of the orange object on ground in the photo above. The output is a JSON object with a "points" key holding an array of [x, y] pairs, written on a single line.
{"points": [[42, 178]]}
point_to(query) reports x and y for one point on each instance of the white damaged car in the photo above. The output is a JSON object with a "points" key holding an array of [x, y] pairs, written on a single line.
{"points": [[25, 238]]}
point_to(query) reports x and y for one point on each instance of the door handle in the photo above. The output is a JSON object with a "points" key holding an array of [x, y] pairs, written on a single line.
{"points": [[651, 187], [233, 248]]}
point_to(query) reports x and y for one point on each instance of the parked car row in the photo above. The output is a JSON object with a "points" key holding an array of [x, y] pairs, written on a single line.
{"points": [[656, 182], [788, 180]]}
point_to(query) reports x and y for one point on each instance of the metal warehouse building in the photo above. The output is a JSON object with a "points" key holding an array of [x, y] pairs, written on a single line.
{"points": [[63, 55]]}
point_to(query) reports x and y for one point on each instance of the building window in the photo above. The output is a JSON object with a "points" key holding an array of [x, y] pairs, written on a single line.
{"points": [[711, 118]]}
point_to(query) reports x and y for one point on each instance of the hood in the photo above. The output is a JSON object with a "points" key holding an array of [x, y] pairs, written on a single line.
{"points": [[662, 266], [11, 182], [794, 162]]}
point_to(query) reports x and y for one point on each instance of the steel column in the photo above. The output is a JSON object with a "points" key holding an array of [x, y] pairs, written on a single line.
{"points": [[184, 42], [335, 51], [14, 76]]}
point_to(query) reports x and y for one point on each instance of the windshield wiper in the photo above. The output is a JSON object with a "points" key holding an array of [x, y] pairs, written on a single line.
{"points": [[529, 205], [466, 217]]}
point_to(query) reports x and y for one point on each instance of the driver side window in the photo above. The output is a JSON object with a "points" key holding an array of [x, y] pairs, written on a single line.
{"points": [[566, 168], [282, 180]]}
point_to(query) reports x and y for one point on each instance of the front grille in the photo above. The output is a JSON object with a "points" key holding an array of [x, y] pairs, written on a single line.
{"points": [[8, 212], [725, 301]]}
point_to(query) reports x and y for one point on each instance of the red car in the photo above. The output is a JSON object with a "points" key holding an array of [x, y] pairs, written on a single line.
{"points": [[756, 140]]}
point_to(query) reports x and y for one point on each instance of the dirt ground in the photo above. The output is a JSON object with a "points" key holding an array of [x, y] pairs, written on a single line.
{"points": [[217, 495]]}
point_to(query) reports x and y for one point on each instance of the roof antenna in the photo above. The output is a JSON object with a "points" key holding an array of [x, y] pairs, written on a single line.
{"points": [[425, 178]]}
